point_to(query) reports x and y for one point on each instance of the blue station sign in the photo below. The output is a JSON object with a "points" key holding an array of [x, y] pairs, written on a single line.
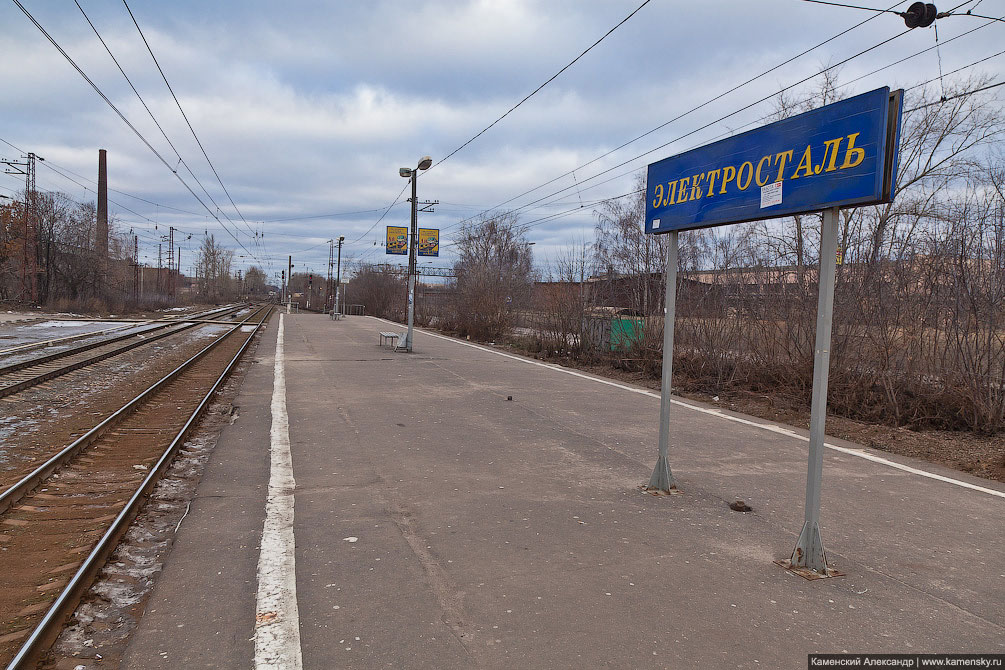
{"points": [[839, 155]]}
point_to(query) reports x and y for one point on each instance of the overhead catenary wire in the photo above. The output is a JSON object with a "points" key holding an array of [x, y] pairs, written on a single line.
{"points": [[125, 120], [392, 213], [184, 115], [144, 103], [524, 227], [763, 119], [579, 184], [547, 81], [683, 115], [840, 4], [323, 216], [377, 222], [981, 16], [706, 125], [60, 170], [959, 69], [954, 97], [914, 55], [49, 163]]}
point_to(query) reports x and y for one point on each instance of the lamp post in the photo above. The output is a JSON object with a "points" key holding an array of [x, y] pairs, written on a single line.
{"points": [[412, 174]]}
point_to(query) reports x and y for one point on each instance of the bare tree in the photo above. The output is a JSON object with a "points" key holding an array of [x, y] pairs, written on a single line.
{"points": [[254, 281], [213, 263], [494, 276]]}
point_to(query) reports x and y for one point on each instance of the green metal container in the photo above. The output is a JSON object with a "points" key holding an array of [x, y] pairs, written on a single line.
{"points": [[626, 332]]}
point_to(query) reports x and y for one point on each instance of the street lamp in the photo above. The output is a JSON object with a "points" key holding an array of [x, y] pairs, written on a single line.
{"points": [[424, 163]]}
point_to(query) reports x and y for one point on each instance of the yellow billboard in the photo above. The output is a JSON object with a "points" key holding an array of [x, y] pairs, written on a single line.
{"points": [[429, 241], [397, 241]]}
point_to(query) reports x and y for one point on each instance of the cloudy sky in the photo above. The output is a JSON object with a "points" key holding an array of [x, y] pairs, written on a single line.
{"points": [[308, 109]]}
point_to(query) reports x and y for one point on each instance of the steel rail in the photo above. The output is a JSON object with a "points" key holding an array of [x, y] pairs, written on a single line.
{"points": [[167, 319], [51, 374], [20, 365], [42, 344], [79, 336], [16, 492], [46, 631]]}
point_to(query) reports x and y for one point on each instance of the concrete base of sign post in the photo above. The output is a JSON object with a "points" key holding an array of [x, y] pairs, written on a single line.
{"points": [[662, 480]]}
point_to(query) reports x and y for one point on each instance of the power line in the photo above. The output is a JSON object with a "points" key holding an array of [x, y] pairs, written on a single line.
{"points": [[144, 103], [95, 192], [954, 97], [977, 62], [528, 205], [138, 134], [185, 116], [382, 215], [980, 16], [838, 4], [49, 163], [524, 227], [703, 127], [763, 119], [535, 222], [687, 113], [548, 81], [915, 55], [323, 216]]}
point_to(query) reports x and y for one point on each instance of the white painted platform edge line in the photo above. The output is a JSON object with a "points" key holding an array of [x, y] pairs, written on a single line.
{"points": [[277, 619], [735, 419]]}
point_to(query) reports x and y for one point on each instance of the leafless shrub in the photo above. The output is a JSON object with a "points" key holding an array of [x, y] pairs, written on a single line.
{"points": [[382, 293]]}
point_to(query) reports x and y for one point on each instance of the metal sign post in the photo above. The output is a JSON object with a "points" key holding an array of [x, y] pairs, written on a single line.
{"points": [[662, 479], [809, 551], [839, 155]]}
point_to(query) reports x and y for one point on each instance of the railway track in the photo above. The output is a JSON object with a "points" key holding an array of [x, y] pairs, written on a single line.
{"points": [[121, 324], [59, 524], [18, 376]]}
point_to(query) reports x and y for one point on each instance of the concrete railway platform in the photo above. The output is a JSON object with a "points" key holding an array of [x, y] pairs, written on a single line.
{"points": [[430, 522]]}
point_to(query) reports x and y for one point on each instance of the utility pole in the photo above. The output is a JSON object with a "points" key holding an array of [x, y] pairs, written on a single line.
{"points": [[170, 280], [328, 278], [32, 227], [101, 243], [338, 279], [177, 273], [29, 258], [160, 260], [289, 286], [282, 287], [136, 267]]}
